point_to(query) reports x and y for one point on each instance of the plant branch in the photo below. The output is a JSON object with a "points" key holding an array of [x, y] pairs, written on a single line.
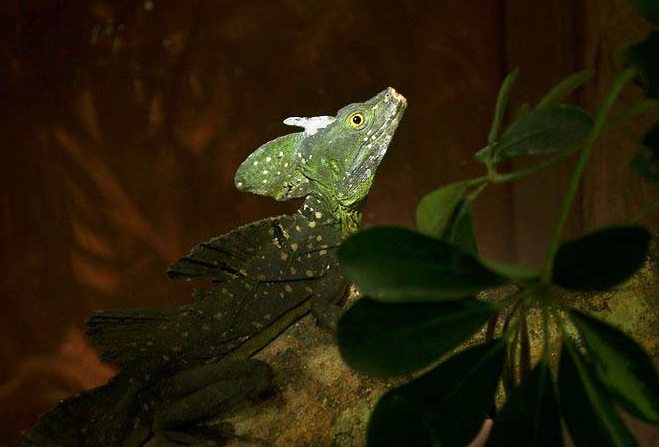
{"points": [[579, 169], [515, 175], [641, 108], [475, 193], [507, 330], [545, 333], [651, 207], [478, 180], [525, 349]]}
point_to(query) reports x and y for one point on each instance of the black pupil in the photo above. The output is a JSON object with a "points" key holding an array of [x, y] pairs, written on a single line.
{"points": [[357, 119]]}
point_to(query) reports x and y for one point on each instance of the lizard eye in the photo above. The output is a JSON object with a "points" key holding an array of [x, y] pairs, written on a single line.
{"points": [[357, 120]]}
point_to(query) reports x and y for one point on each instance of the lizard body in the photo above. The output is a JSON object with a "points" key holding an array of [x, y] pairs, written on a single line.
{"points": [[183, 365]]}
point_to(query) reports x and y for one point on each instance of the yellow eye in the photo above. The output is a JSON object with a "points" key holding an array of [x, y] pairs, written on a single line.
{"points": [[357, 120]]}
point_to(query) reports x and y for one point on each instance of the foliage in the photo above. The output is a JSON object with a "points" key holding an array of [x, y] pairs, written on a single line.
{"points": [[646, 161], [602, 259], [645, 57], [649, 8], [423, 298]]}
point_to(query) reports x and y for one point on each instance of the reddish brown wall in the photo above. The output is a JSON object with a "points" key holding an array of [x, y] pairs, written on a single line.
{"points": [[613, 193], [120, 144], [544, 43]]}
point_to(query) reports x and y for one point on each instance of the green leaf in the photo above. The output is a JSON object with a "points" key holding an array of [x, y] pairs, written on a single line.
{"points": [[523, 110], [530, 416], [551, 129], [484, 153], [444, 407], [387, 339], [502, 105], [646, 161], [649, 9], [564, 88], [586, 407], [499, 114], [602, 259], [645, 56], [434, 211], [622, 365], [399, 265], [459, 231]]}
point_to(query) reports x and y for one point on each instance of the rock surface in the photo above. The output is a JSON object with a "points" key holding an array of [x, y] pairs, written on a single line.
{"points": [[318, 400]]}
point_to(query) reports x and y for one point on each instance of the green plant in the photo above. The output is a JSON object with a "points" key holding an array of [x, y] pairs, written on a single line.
{"points": [[423, 303]]}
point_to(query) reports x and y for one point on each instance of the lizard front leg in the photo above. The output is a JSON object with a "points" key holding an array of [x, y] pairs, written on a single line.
{"points": [[329, 295], [181, 406]]}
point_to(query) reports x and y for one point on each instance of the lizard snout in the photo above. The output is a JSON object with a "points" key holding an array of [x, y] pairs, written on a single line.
{"points": [[392, 93]]}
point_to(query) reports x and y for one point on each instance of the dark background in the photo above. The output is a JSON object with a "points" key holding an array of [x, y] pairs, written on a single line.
{"points": [[123, 122]]}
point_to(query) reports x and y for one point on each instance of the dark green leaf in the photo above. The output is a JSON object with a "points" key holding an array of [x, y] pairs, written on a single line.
{"points": [[564, 88], [530, 416], [484, 153], [523, 110], [460, 229], [553, 129], [435, 209], [499, 113], [444, 407], [645, 56], [396, 265], [586, 407], [646, 161], [602, 259], [622, 365], [502, 104], [387, 339], [649, 9]]}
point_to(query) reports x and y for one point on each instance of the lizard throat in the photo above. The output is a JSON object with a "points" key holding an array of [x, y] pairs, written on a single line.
{"points": [[321, 211]]}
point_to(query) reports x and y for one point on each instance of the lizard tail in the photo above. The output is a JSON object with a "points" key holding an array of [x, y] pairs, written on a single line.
{"points": [[122, 335], [102, 416]]}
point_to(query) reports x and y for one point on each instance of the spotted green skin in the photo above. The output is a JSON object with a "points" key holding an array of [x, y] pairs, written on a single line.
{"points": [[183, 366]]}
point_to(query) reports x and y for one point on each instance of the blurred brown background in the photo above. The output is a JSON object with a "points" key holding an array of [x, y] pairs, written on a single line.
{"points": [[123, 122]]}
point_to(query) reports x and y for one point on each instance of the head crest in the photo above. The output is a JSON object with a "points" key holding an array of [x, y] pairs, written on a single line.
{"points": [[272, 170]]}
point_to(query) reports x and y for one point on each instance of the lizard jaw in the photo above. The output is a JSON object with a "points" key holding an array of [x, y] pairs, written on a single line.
{"points": [[397, 96], [358, 179]]}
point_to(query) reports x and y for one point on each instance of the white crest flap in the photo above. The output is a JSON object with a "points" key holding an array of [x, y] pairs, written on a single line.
{"points": [[310, 125]]}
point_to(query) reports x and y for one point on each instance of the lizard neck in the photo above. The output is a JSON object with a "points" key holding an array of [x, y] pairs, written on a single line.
{"points": [[326, 212]]}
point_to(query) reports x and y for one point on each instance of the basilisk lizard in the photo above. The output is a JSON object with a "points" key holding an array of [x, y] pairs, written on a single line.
{"points": [[182, 366]]}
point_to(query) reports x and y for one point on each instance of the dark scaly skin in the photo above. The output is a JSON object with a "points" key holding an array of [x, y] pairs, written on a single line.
{"points": [[183, 366]]}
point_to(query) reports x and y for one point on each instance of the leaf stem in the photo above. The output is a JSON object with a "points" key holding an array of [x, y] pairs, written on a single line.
{"points": [[478, 180], [525, 349], [491, 327], [555, 314], [545, 332], [513, 299], [652, 206], [475, 193], [579, 169], [515, 348], [511, 176], [507, 330], [640, 108]]}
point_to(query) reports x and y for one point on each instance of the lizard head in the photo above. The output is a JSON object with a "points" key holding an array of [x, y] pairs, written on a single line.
{"points": [[334, 158]]}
